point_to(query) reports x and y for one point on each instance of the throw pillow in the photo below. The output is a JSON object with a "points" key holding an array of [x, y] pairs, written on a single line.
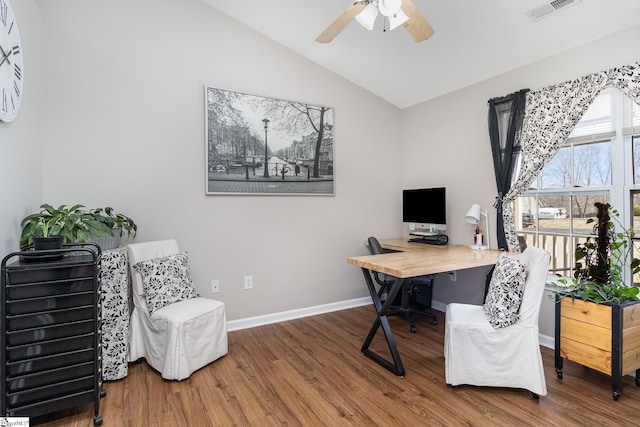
{"points": [[166, 280], [502, 304]]}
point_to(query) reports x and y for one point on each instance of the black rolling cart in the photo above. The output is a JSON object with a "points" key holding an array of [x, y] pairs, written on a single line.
{"points": [[50, 331]]}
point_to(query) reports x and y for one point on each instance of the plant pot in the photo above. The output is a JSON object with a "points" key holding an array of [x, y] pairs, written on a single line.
{"points": [[47, 243], [42, 244], [105, 241], [604, 337]]}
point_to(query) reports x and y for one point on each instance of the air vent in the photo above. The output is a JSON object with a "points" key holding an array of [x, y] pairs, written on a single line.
{"points": [[547, 9]]}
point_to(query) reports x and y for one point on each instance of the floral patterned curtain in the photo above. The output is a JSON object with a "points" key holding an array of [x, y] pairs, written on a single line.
{"points": [[550, 115]]}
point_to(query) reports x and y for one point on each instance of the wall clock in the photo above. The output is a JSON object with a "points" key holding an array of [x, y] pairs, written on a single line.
{"points": [[11, 62]]}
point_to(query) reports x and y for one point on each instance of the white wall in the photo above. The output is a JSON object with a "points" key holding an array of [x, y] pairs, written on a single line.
{"points": [[21, 140], [114, 94], [446, 143], [125, 128]]}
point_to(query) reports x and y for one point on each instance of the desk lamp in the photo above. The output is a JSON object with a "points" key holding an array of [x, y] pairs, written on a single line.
{"points": [[473, 217]]}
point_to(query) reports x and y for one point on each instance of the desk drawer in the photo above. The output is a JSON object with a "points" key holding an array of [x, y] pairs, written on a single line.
{"points": [[48, 318], [47, 348], [15, 338], [44, 363], [34, 290], [50, 391], [50, 377], [37, 305], [51, 405], [44, 274]]}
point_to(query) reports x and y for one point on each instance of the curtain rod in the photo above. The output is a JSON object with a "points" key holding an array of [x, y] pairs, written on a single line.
{"points": [[506, 97]]}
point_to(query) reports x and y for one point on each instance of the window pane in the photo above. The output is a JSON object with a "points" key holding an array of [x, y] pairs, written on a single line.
{"points": [[598, 117], [524, 214], [635, 200], [636, 254], [636, 160], [557, 173], [583, 209], [592, 164], [553, 214], [631, 117]]}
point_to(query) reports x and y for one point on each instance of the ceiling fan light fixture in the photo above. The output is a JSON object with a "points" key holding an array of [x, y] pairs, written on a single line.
{"points": [[389, 7], [367, 18], [397, 12], [398, 19]]}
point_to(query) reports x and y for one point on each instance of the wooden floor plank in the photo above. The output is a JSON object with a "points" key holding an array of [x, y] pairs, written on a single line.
{"points": [[310, 372]]}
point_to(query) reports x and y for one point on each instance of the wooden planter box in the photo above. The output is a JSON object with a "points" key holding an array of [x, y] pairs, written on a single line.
{"points": [[604, 337]]}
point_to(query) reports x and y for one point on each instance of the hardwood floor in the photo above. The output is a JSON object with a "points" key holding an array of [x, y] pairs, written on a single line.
{"points": [[310, 372]]}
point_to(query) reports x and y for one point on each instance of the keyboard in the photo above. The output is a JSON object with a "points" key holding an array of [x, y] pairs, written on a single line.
{"points": [[437, 239], [423, 233]]}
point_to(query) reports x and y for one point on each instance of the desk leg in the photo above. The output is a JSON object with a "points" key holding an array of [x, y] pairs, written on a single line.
{"points": [[381, 320]]}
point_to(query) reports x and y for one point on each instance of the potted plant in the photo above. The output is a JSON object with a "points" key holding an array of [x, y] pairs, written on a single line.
{"points": [[602, 260], [598, 313], [64, 224], [120, 226]]}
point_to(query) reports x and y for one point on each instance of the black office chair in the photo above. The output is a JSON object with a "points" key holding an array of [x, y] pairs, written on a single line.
{"points": [[415, 295]]}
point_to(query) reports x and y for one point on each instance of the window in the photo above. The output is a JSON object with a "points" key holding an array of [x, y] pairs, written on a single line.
{"points": [[599, 162], [635, 197], [578, 165]]}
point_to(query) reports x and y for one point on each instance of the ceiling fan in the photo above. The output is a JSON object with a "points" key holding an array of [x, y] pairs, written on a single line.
{"points": [[398, 12]]}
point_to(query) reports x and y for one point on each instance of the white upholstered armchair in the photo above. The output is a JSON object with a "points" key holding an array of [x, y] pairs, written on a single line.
{"points": [[477, 353], [174, 329]]}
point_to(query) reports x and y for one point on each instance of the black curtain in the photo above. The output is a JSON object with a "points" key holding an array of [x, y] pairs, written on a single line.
{"points": [[506, 115]]}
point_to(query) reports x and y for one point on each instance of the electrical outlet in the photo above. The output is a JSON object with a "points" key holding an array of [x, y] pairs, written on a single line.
{"points": [[248, 282], [453, 276], [215, 286]]}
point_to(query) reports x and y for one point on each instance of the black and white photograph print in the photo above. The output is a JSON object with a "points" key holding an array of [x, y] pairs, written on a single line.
{"points": [[268, 146]]}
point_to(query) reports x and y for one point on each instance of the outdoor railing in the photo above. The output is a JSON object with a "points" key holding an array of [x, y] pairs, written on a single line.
{"points": [[561, 250], [559, 246]]}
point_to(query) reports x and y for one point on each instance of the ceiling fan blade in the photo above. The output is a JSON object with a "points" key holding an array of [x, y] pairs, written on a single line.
{"points": [[341, 22], [417, 25]]}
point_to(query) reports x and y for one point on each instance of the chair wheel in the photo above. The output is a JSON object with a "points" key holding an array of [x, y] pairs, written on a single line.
{"points": [[616, 395], [559, 373], [435, 322], [413, 329]]}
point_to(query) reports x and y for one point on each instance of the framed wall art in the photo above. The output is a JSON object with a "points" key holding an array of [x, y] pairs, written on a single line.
{"points": [[269, 146]]}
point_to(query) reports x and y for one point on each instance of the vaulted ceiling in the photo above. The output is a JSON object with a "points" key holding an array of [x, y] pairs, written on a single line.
{"points": [[473, 41]]}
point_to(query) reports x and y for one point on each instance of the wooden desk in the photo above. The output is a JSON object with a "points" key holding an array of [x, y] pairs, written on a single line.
{"points": [[411, 260], [419, 259]]}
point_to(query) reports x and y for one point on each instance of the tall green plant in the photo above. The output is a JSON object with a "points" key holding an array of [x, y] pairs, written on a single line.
{"points": [[74, 223], [115, 221], [601, 261]]}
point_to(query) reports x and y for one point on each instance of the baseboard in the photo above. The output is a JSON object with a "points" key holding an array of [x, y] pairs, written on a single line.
{"points": [[267, 319], [547, 341], [437, 305]]}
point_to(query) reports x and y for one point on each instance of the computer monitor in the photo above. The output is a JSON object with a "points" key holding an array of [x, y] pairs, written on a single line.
{"points": [[424, 206]]}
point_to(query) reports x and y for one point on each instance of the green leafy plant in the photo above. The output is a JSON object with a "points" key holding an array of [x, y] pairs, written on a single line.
{"points": [[601, 262], [74, 223], [115, 221]]}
